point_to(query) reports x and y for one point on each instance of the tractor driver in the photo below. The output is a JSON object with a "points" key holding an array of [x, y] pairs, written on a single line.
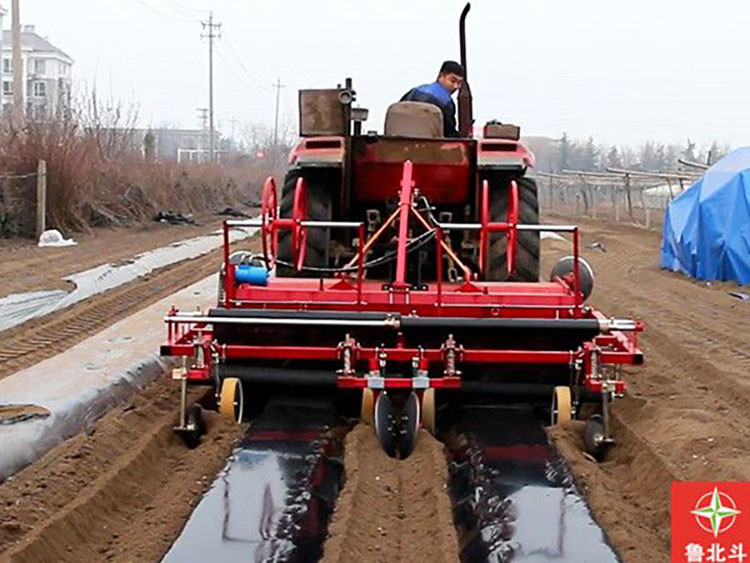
{"points": [[439, 94]]}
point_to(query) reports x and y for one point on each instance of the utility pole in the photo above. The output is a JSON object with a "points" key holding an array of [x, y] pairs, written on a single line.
{"points": [[17, 64], [278, 87], [233, 122], [212, 33], [203, 117]]}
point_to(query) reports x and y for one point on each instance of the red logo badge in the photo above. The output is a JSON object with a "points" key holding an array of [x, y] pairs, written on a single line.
{"points": [[710, 522]]}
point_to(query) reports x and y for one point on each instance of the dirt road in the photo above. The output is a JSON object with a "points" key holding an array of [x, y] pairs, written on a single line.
{"points": [[686, 415]]}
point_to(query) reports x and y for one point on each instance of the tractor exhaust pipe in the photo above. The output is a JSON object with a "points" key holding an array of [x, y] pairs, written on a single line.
{"points": [[462, 34], [465, 102]]}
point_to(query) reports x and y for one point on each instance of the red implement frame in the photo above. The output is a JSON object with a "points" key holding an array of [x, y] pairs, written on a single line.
{"points": [[396, 306]]}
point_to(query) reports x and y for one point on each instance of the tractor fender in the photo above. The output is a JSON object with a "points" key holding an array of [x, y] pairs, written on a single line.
{"points": [[503, 154], [318, 152]]}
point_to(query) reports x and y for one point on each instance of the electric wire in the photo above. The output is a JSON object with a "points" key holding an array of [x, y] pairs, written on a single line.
{"points": [[164, 15], [231, 71], [182, 10], [237, 57]]}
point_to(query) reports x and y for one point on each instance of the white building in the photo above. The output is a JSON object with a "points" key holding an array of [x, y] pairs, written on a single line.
{"points": [[46, 73]]}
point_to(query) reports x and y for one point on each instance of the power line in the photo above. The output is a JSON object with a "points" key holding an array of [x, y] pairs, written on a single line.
{"points": [[278, 87], [242, 66], [162, 14], [180, 9], [237, 76]]}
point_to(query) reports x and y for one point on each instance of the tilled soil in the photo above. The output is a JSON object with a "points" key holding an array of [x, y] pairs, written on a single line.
{"points": [[392, 510], [685, 417], [122, 492], [41, 338]]}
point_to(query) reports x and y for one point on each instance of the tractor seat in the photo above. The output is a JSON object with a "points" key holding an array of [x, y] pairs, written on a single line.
{"points": [[414, 119]]}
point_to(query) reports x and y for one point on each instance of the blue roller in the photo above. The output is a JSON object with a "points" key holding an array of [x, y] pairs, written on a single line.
{"points": [[254, 275]]}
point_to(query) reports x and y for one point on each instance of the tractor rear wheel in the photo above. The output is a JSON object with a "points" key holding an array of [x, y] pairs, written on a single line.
{"points": [[527, 254], [320, 208]]}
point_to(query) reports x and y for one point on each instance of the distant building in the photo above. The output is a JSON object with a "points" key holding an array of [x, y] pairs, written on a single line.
{"points": [[182, 145], [46, 73]]}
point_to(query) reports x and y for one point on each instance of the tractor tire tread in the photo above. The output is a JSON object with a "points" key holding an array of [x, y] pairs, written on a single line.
{"points": [[527, 255], [319, 207]]}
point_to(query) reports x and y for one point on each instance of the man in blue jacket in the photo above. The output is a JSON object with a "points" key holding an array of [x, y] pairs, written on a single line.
{"points": [[439, 93]]}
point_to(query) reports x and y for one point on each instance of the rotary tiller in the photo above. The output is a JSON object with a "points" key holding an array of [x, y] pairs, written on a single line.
{"points": [[400, 343]]}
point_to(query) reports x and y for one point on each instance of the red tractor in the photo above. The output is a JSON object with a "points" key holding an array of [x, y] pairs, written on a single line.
{"points": [[351, 176], [401, 271]]}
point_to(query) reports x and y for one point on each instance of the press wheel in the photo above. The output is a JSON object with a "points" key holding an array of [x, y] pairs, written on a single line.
{"points": [[594, 437], [428, 410], [367, 409], [232, 399], [195, 426], [561, 410]]}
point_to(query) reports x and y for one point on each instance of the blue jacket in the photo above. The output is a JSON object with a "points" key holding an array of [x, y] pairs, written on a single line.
{"points": [[435, 94]]}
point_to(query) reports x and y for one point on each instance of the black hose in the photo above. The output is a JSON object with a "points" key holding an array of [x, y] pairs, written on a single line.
{"points": [[390, 256]]}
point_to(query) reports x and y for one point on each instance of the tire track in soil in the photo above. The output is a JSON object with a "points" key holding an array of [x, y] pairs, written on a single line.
{"points": [[120, 493], [39, 339], [392, 510]]}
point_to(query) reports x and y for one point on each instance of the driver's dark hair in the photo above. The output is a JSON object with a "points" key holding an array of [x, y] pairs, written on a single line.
{"points": [[452, 67]]}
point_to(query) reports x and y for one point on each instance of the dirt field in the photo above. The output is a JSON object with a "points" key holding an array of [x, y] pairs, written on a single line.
{"points": [[391, 510], [111, 495], [41, 338], [686, 415], [120, 493]]}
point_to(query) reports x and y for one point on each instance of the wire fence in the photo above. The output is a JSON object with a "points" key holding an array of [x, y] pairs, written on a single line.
{"points": [[17, 176], [622, 197], [22, 203]]}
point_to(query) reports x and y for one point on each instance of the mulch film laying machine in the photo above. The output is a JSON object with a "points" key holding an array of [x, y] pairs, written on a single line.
{"points": [[401, 272]]}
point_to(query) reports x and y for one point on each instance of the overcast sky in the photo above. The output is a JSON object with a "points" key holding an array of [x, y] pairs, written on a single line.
{"points": [[622, 71]]}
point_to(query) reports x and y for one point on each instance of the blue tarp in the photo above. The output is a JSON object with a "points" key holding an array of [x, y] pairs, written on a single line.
{"points": [[707, 228]]}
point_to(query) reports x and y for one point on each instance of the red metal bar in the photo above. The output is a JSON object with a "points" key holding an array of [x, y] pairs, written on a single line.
{"points": [[299, 232], [484, 219], [324, 353], [439, 264], [405, 204], [353, 382], [360, 262], [228, 269]]}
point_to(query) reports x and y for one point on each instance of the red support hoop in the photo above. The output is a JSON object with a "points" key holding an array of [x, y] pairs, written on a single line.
{"points": [[299, 231], [269, 214], [484, 233]]}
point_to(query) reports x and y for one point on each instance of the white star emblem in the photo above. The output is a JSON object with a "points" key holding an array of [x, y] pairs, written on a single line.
{"points": [[715, 512]]}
